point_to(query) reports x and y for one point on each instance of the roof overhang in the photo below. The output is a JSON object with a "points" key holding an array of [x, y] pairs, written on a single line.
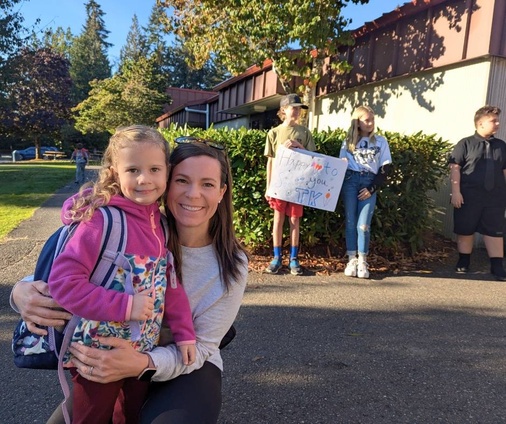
{"points": [[258, 106]]}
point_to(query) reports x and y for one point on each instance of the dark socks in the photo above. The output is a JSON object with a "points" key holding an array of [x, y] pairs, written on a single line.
{"points": [[497, 269], [463, 262]]}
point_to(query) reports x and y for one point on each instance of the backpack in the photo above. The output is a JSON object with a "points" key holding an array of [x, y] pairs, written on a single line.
{"points": [[42, 352]]}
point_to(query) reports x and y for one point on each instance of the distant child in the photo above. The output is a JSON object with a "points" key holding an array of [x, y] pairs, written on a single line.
{"points": [[291, 135], [80, 156], [145, 291], [369, 161], [478, 191]]}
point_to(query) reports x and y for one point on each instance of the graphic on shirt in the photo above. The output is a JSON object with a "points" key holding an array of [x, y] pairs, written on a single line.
{"points": [[366, 155]]}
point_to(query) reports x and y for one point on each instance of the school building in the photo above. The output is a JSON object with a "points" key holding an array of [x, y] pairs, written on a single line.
{"points": [[426, 66]]}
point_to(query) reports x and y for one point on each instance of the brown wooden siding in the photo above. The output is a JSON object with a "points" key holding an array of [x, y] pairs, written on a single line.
{"points": [[420, 35]]}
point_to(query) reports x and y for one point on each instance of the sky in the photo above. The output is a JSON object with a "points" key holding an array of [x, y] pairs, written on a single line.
{"points": [[119, 13]]}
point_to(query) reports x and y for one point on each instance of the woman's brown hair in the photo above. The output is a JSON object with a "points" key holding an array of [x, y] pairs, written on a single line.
{"points": [[229, 252]]}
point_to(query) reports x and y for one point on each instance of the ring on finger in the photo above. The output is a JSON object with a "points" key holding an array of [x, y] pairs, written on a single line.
{"points": [[90, 371]]}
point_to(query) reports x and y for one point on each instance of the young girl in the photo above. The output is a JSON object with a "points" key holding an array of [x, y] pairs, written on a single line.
{"points": [[133, 178], [214, 269], [369, 160]]}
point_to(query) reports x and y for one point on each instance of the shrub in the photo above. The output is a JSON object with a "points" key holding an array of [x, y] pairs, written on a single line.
{"points": [[404, 213]]}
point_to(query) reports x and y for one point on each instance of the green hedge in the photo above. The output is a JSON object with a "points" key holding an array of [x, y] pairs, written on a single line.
{"points": [[404, 213]]}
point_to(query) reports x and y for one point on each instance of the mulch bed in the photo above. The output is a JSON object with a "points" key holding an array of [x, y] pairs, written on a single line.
{"points": [[321, 260]]}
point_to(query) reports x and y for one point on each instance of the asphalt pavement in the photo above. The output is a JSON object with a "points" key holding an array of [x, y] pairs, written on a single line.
{"points": [[426, 346]]}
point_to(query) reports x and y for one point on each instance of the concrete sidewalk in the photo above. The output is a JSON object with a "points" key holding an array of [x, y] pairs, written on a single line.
{"points": [[421, 347]]}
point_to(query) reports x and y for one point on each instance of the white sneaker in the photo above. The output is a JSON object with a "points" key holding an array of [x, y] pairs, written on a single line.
{"points": [[351, 268], [362, 270]]}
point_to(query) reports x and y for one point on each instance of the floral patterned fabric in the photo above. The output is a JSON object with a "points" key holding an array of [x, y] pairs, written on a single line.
{"points": [[137, 274]]}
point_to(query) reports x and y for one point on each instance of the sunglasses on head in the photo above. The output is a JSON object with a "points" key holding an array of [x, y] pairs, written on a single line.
{"points": [[190, 139]]}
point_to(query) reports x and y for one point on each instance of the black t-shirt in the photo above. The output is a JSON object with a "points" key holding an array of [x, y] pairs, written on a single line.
{"points": [[469, 154]]}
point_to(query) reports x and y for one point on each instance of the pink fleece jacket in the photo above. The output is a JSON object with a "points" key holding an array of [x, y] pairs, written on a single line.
{"points": [[69, 281]]}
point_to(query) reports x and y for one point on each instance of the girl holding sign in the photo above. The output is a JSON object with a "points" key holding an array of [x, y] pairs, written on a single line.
{"points": [[369, 161]]}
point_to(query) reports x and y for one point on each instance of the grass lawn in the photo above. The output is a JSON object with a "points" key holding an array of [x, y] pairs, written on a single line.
{"points": [[25, 186]]}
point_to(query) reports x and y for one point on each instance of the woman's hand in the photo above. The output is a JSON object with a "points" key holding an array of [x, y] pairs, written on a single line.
{"points": [[36, 306], [364, 194], [105, 366]]}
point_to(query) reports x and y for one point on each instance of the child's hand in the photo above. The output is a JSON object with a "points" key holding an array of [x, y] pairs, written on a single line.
{"points": [[457, 200], [142, 306], [293, 144], [188, 352]]}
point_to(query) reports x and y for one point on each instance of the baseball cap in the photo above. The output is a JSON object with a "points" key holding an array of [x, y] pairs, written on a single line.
{"points": [[291, 100]]}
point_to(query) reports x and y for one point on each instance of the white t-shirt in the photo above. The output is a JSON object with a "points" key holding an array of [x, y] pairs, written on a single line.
{"points": [[367, 156]]}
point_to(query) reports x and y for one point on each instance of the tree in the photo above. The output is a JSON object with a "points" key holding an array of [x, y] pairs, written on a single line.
{"points": [[59, 40], [10, 28], [174, 60], [136, 44], [38, 95], [247, 32], [134, 95], [10, 41], [181, 75], [156, 35], [88, 54]]}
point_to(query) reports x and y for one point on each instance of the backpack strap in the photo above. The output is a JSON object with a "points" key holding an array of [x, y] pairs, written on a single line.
{"points": [[112, 245]]}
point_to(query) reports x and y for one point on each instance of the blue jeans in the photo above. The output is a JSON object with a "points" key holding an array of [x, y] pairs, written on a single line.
{"points": [[80, 167], [358, 213]]}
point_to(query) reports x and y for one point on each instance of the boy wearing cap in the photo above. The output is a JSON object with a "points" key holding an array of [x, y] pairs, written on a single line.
{"points": [[291, 135]]}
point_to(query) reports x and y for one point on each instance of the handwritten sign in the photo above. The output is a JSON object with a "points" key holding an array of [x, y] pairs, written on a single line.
{"points": [[307, 178]]}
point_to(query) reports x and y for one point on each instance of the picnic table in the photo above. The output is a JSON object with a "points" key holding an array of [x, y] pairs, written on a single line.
{"points": [[54, 155]]}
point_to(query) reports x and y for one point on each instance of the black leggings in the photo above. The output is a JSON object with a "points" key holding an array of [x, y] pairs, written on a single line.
{"points": [[193, 398]]}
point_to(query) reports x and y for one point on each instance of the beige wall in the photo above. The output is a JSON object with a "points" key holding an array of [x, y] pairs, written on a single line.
{"points": [[439, 102]]}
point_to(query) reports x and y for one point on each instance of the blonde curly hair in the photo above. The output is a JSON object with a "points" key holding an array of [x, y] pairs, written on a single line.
{"points": [[107, 185]]}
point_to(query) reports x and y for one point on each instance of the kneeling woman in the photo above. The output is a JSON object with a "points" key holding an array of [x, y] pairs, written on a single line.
{"points": [[213, 269]]}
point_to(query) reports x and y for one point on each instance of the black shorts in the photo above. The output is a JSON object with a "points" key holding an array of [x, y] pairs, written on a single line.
{"points": [[478, 218]]}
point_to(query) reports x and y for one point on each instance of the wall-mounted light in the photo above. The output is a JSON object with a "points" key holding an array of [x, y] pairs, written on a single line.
{"points": [[259, 108]]}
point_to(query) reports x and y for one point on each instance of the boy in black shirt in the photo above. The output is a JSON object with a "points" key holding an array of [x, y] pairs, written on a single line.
{"points": [[478, 191]]}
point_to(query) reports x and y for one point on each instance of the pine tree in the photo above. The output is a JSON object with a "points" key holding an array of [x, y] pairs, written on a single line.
{"points": [[156, 35], [136, 45], [175, 62], [59, 40], [182, 75], [88, 54]]}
